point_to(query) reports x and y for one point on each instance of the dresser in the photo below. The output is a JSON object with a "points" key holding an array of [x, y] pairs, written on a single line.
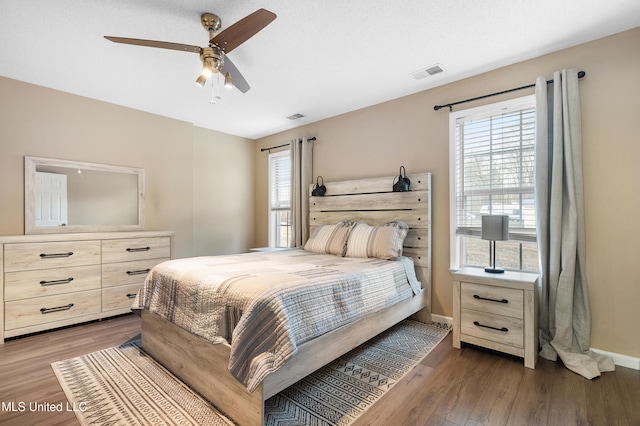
{"points": [[497, 311], [57, 280]]}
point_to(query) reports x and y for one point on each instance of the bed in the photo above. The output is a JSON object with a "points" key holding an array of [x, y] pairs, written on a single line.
{"points": [[211, 364]]}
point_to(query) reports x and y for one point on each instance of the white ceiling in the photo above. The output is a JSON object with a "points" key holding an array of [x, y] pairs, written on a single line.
{"points": [[318, 58]]}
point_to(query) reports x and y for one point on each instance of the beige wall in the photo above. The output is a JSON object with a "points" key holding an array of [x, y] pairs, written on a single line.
{"points": [[223, 170], [375, 141], [42, 122]]}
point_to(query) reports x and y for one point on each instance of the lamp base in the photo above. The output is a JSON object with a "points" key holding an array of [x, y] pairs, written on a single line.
{"points": [[494, 270]]}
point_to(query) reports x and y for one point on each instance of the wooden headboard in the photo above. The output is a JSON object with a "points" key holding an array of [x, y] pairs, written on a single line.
{"points": [[373, 201]]}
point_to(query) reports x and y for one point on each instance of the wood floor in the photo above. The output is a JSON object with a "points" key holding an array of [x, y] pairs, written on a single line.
{"points": [[468, 386]]}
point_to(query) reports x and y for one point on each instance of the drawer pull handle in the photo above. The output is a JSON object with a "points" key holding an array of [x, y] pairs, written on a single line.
{"points": [[54, 255], [130, 250], [504, 329], [475, 296], [131, 295], [56, 282], [140, 272], [56, 309]]}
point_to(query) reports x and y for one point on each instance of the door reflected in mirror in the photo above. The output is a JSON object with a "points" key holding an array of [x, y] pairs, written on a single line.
{"points": [[51, 199]]}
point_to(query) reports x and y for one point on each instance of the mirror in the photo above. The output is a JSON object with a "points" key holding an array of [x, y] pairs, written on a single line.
{"points": [[62, 196]]}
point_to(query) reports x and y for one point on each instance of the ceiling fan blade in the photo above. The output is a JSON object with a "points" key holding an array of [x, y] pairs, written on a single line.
{"points": [[243, 30], [154, 43], [238, 80]]}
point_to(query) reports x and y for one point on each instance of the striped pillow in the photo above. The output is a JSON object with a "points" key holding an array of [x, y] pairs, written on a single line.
{"points": [[330, 239], [383, 241]]}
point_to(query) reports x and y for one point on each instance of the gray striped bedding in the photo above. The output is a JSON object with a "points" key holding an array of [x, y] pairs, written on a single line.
{"points": [[266, 304]]}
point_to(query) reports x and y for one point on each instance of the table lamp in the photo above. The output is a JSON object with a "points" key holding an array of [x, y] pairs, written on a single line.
{"points": [[494, 228]]}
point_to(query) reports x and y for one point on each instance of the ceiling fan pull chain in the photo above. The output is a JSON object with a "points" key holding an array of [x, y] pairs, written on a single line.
{"points": [[215, 84], [215, 88]]}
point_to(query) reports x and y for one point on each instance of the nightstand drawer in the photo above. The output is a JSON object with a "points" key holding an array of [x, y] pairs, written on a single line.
{"points": [[493, 300], [497, 328]]}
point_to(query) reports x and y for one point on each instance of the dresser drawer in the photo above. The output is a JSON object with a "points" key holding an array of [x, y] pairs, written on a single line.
{"points": [[42, 310], [119, 297], [497, 328], [129, 249], [494, 300], [29, 256], [114, 274], [47, 282]]}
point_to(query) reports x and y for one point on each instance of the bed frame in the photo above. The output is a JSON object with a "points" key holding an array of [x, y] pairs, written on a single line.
{"points": [[204, 366]]}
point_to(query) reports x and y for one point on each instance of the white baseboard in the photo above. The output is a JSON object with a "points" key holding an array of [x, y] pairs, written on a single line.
{"points": [[619, 359], [442, 319]]}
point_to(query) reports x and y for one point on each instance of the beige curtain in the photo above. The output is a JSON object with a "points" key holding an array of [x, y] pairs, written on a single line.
{"points": [[301, 178], [565, 318]]}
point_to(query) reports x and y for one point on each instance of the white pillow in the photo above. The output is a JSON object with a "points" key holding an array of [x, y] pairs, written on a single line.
{"points": [[330, 239], [383, 241]]}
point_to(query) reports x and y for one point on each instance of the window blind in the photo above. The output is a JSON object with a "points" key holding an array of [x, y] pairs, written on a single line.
{"points": [[495, 154], [280, 185]]}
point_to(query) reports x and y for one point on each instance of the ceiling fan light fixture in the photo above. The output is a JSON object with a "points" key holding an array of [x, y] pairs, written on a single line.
{"points": [[206, 71], [228, 82], [208, 67], [201, 80]]}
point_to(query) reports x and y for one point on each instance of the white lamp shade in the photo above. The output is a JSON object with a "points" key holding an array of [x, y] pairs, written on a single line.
{"points": [[495, 227]]}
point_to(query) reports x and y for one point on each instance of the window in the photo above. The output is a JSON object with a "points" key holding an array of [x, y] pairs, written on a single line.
{"points": [[279, 199], [492, 152]]}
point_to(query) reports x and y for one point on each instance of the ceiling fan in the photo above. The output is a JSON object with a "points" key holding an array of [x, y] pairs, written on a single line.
{"points": [[214, 57]]}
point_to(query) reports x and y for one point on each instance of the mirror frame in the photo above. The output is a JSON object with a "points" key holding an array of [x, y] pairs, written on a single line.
{"points": [[30, 165]]}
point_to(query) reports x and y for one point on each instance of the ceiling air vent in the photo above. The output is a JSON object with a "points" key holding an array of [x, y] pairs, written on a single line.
{"points": [[295, 116], [425, 72]]}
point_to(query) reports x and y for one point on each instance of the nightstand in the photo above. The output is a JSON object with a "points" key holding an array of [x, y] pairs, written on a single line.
{"points": [[497, 311]]}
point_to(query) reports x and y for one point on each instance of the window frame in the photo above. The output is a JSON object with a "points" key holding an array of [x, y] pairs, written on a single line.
{"points": [[458, 241]]}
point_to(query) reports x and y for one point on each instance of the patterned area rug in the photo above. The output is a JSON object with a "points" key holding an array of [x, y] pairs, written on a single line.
{"points": [[124, 386]]}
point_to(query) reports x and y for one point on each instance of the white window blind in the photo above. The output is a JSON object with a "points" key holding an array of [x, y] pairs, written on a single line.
{"points": [[279, 199], [280, 185], [494, 156]]}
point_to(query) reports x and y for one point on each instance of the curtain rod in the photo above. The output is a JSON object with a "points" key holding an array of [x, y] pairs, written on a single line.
{"points": [[437, 107], [283, 145]]}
